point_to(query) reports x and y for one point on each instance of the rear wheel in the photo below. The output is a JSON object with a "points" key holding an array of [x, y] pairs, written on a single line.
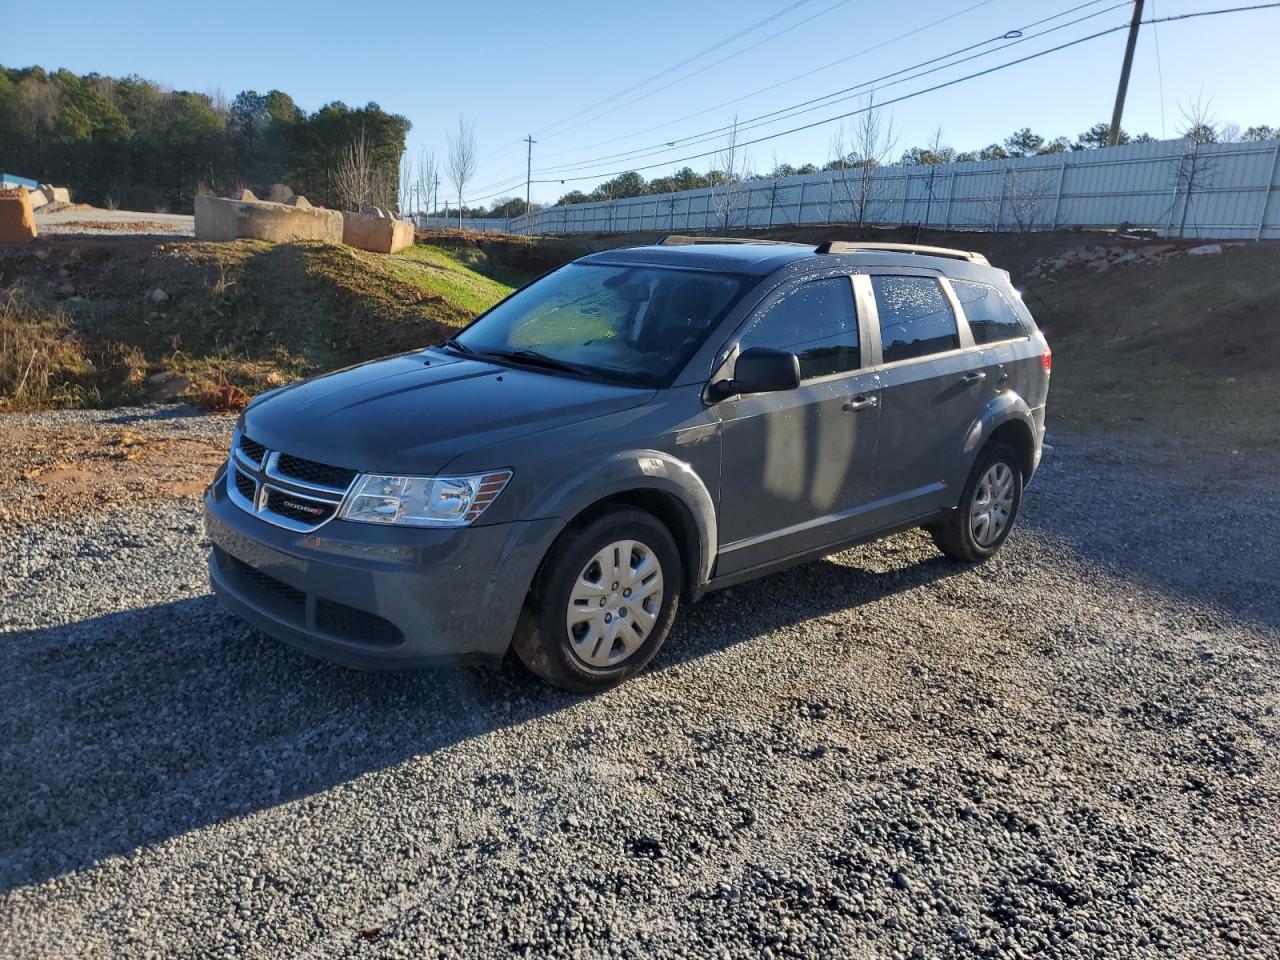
{"points": [[604, 602], [988, 508]]}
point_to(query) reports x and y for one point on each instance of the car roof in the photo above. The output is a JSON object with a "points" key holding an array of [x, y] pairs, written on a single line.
{"points": [[753, 259], [762, 257]]}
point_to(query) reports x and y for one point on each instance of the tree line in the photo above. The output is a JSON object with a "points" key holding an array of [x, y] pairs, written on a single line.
{"points": [[128, 142]]}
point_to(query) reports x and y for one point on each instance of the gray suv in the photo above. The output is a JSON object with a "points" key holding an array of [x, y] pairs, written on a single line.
{"points": [[631, 430]]}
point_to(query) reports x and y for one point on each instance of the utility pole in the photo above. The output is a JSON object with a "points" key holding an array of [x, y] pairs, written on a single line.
{"points": [[1113, 135], [528, 176]]}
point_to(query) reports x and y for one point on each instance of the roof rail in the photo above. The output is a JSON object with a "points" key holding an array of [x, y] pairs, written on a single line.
{"points": [[850, 246], [677, 240]]}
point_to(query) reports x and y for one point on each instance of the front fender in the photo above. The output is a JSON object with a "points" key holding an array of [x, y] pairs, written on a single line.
{"points": [[630, 471]]}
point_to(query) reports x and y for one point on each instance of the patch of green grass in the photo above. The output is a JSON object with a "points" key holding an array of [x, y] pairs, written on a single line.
{"points": [[439, 273]]}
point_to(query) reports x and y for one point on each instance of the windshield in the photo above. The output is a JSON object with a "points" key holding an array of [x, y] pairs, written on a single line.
{"points": [[633, 324]]}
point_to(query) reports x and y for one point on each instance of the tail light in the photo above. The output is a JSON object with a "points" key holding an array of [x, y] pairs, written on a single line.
{"points": [[1046, 359]]}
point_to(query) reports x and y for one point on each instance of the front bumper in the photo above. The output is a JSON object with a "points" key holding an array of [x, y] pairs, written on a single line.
{"points": [[376, 597]]}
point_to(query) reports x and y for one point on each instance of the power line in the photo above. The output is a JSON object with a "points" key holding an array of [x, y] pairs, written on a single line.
{"points": [[918, 93], [782, 83], [691, 139], [846, 93], [657, 76], [1155, 36], [685, 62], [914, 94], [703, 69]]}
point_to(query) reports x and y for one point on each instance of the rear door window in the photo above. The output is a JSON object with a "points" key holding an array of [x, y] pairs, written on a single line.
{"points": [[991, 318], [816, 321], [916, 319]]}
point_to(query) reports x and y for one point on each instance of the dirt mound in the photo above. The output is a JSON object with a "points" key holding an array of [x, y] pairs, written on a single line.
{"points": [[247, 314]]}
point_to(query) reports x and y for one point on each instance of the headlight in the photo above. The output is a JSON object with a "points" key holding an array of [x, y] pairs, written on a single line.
{"points": [[423, 501]]}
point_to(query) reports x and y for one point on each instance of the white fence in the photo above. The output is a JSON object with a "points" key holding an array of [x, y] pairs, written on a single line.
{"points": [[1220, 191]]}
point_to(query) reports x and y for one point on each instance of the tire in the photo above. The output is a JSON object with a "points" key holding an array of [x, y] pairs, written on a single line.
{"points": [[577, 648], [962, 535]]}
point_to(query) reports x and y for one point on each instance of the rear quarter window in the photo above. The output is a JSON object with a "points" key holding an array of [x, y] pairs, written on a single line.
{"points": [[916, 319], [991, 317]]}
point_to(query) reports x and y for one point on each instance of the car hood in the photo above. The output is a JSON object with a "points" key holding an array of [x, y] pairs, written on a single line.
{"points": [[413, 413]]}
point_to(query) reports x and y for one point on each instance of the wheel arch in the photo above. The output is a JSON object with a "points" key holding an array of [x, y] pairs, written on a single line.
{"points": [[654, 482], [1006, 419]]}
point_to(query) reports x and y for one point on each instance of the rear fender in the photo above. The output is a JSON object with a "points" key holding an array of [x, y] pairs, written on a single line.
{"points": [[1003, 408]]}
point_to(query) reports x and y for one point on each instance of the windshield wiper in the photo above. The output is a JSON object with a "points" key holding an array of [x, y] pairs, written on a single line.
{"points": [[454, 343], [532, 358]]}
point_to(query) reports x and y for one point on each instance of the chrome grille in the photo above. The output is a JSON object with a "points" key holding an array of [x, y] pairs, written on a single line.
{"points": [[252, 449], [301, 499], [309, 471], [245, 484]]}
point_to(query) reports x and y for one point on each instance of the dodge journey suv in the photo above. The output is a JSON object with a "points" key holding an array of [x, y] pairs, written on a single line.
{"points": [[625, 434]]}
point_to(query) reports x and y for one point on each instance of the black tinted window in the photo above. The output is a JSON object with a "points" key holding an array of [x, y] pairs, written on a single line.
{"points": [[817, 322], [915, 317], [990, 317]]}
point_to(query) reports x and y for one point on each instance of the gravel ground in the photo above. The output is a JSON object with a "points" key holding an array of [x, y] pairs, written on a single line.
{"points": [[1070, 751], [90, 221]]}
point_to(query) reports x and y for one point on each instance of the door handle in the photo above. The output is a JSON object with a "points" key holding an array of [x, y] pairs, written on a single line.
{"points": [[976, 377], [860, 403]]}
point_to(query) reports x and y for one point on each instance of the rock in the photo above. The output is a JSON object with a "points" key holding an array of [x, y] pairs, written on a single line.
{"points": [[66, 289], [175, 385], [300, 202], [900, 881], [158, 295], [42, 254], [1205, 250]]}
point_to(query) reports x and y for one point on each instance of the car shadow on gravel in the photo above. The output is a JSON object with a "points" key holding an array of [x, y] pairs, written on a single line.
{"points": [[130, 729]]}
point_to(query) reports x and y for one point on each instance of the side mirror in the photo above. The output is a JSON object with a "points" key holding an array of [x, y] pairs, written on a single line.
{"points": [[760, 370]]}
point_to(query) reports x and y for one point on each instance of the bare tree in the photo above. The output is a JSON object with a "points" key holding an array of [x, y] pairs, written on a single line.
{"points": [[462, 159], [407, 183], [352, 177], [728, 177], [860, 150], [1196, 169], [428, 175], [1026, 192]]}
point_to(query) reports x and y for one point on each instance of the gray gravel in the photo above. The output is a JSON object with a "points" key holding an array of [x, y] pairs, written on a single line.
{"points": [[114, 223], [1068, 752]]}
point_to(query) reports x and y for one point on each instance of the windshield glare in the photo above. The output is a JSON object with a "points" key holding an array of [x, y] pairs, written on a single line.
{"points": [[633, 324]]}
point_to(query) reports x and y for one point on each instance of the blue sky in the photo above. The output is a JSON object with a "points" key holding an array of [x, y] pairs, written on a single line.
{"points": [[516, 68]]}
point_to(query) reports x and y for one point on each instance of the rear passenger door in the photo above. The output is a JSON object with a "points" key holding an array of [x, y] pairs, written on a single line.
{"points": [[798, 465], [1000, 333], [932, 390]]}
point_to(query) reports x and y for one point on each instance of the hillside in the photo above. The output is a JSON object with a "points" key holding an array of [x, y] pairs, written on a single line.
{"points": [[1180, 348], [97, 321]]}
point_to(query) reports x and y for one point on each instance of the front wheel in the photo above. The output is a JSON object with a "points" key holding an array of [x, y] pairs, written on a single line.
{"points": [[988, 508], [603, 604]]}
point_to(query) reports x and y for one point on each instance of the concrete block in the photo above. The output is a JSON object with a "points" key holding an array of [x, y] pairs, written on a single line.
{"points": [[227, 219], [36, 198], [54, 194], [379, 234], [17, 221]]}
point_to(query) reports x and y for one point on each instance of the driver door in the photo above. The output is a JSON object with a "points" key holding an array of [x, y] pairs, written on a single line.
{"points": [[797, 465]]}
